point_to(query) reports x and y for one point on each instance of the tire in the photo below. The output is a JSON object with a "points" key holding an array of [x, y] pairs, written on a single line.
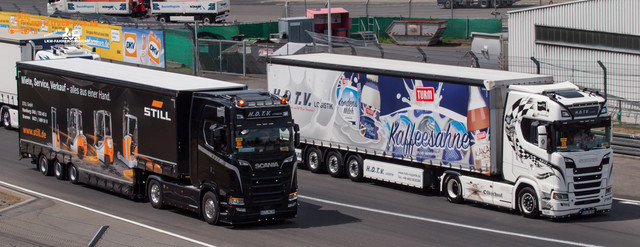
{"points": [[528, 203], [485, 4], [73, 174], [6, 118], [44, 166], [59, 170], [313, 160], [154, 193], [162, 18], [207, 19], [354, 168], [210, 208], [335, 165], [453, 189]]}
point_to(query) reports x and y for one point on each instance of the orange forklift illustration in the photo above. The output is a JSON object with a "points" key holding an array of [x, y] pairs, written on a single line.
{"points": [[76, 140], [129, 139], [55, 130], [102, 132]]}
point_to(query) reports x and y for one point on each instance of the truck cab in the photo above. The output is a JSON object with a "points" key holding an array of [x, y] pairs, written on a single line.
{"points": [[557, 139], [243, 147]]}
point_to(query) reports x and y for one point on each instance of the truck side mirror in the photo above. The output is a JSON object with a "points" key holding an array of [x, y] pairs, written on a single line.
{"points": [[296, 136], [542, 137]]}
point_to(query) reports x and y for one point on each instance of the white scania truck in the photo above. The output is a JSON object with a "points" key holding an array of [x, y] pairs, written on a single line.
{"points": [[509, 139]]}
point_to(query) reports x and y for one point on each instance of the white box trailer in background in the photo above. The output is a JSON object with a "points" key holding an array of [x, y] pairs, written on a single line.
{"points": [[18, 46], [509, 139], [207, 11]]}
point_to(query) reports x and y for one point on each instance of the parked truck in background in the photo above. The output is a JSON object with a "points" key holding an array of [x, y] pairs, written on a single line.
{"points": [[207, 146], [480, 3], [27, 46], [207, 11], [514, 140]]}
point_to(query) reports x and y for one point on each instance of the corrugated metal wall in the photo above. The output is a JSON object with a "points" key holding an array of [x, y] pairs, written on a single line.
{"points": [[574, 64]]}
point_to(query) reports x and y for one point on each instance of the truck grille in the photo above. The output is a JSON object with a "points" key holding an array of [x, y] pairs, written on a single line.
{"points": [[586, 184], [267, 188]]}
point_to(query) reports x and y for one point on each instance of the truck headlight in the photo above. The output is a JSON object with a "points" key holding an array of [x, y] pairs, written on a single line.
{"points": [[607, 191], [288, 159], [560, 196], [293, 196], [243, 163], [236, 201]]}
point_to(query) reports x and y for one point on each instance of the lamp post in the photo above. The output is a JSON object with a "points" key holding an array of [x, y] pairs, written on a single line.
{"points": [[329, 25]]}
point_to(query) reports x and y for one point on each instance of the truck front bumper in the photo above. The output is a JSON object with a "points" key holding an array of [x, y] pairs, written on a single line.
{"points": [[235, 217], [559, 209]]}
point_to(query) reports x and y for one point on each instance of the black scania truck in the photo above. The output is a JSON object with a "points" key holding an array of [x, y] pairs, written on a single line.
{"points": [[208, 146]]}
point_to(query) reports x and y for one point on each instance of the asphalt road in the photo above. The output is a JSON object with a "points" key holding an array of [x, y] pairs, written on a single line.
{"points": [[338, 212]]}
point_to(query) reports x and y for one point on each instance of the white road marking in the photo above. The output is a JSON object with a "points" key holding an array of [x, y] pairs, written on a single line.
{"points": [[106, 214], [628, 201], [515, 234]]}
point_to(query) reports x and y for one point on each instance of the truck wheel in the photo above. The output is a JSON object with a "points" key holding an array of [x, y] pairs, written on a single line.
{"points": [[485, 4], [335, 167], [59, 170], [210, 208], [313, 160], [155, 194], [73, 174], [354, 168], [453, 189], [6, 118], [206, 19], [44, 166], [446, 4], [162, 18], [528, 203]]}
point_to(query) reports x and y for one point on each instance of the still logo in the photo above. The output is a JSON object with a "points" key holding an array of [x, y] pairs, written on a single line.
{"points": [[156, 113]]}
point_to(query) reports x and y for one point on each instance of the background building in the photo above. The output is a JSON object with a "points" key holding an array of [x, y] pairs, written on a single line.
{"points": [[569, 39]]}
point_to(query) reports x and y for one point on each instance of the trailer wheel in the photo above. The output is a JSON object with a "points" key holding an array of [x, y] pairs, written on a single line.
{"points": [[73, 174], [485, 4], [335, 165], [162, 18], [6, 118], [44, 165], [528, 203], [453, 189], [155, 194], [354, 168], [210, 208], [59, 170], [313, 160]]}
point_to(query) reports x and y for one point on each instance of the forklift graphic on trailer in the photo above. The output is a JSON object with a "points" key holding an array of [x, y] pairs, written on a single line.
{"points": [[55, 130], [76, 140], [102, 132], [129, 138]]}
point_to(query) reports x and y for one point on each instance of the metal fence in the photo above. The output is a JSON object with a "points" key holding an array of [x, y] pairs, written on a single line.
{"points": [[621, 80]]}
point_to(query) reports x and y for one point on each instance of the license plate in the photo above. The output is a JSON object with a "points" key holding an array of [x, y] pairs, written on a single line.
{"points": [[587, 211], [268, 212]]}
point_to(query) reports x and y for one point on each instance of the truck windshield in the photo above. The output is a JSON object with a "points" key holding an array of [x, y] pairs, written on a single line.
{"points": [[583, 137], [263, 140]]}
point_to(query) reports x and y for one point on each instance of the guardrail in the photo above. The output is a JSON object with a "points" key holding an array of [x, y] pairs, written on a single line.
{"points": [[626, 144]]}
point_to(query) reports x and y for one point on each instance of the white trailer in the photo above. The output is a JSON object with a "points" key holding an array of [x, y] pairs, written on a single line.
{"points": [[207, 11], [17, 46], [114, 7], [514, 140]]}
